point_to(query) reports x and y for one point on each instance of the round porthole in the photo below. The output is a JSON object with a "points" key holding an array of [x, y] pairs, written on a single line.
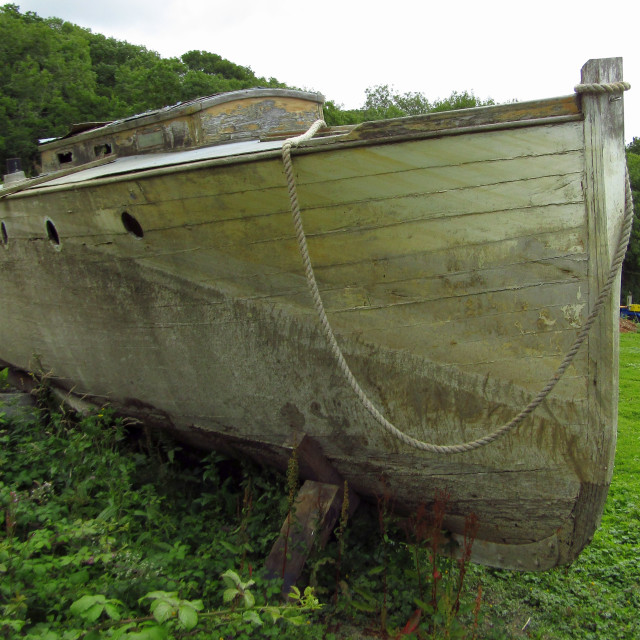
{"points": [[132, 225], [52, 233], [3, 234]]}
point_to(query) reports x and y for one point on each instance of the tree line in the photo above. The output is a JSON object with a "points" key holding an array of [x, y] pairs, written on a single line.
{"points": [[55, 73]]}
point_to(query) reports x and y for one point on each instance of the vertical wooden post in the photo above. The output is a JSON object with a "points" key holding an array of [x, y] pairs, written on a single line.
{"points": [[605, 199]]}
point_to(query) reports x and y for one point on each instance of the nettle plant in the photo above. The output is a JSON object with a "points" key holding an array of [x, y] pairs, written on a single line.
{"points": [[108, 533]]}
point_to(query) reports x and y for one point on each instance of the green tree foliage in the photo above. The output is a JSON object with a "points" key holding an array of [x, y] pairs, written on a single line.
{"points": [[634, 146], [381, 102], [108, 57], [47, 80], [335, 115], [56, 74], [212, 64], [208, 73], [631, 265], [151, 85], [460, 100]]}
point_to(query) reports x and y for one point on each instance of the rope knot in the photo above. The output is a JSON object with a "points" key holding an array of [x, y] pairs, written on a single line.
{"points": [[307, 135]]}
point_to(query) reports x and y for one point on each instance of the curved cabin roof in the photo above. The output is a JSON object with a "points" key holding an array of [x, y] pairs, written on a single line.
{"points": [[228, 117]]}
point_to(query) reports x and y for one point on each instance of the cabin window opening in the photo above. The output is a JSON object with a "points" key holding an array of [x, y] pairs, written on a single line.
{"points": [[65, 157], [4, 234], [102, 150], [52, 233], [132, 225]]}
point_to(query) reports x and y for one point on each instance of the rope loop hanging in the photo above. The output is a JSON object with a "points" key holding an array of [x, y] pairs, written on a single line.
{"points": [[616, 264]]}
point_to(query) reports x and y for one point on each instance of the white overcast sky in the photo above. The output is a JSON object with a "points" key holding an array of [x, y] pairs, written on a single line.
{"points": [[500, 49]]}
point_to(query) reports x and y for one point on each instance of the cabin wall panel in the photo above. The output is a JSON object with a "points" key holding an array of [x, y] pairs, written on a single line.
{"points": [[236, 121]]}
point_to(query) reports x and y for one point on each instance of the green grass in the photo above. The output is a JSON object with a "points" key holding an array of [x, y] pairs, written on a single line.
{"points": [[100, 516]]}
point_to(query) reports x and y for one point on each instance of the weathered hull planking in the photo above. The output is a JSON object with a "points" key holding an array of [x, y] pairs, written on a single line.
{"points": [[457, 256]]}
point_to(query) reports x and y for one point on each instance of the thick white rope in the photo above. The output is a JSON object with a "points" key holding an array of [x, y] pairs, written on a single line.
{"points": [[616, 264], [611, 87]]}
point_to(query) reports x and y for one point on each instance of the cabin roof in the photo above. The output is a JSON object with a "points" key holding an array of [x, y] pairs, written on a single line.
{"points": [[92, 129], [131, 164]]}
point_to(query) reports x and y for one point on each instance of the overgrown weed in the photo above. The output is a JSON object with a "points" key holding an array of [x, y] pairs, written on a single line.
{"points": [[111, 531], [96, 519], [409, 581], [4, 383]]}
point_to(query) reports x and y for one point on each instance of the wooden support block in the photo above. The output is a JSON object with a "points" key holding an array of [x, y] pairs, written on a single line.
{"points": [[312, 465], [317, 508]]}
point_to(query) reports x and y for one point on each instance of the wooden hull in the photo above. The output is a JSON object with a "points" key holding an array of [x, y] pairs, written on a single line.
{"points": [[457, 260]]}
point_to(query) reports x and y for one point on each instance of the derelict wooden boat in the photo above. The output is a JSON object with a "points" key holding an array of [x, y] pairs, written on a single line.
{"points": [[155, 268]]}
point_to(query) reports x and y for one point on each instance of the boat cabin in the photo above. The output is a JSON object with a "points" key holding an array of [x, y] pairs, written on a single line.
{"points": [[217, 119]]}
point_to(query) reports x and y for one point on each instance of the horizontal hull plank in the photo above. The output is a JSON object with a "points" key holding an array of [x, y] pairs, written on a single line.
{"points": [[506, 114], [522, 144], [447, 186]]}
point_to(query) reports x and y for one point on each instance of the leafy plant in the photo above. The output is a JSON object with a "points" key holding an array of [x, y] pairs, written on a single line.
{"points": [[75, 541], [631, 266]]}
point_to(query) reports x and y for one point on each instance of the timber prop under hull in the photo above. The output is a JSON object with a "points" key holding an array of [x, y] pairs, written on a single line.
{"points": [[457, 255]]}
